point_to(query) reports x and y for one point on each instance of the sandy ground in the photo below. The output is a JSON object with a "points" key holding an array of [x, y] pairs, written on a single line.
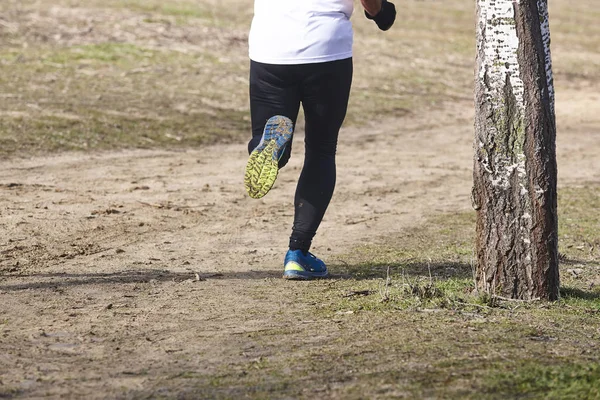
{"points": [[119, 268]]}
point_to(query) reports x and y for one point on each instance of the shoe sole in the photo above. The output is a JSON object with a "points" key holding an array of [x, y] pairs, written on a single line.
{"points": [[297, 276], [263, 163]]}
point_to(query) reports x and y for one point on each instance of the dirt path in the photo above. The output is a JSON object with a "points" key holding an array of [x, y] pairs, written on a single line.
{"points": [[123, 273]]}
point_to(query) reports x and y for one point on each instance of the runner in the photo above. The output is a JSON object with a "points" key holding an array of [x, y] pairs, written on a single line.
{"points": [[301, 53]]}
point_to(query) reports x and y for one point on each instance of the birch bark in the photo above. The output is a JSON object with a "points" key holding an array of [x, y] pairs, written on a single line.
{"points": [[514, 190]]}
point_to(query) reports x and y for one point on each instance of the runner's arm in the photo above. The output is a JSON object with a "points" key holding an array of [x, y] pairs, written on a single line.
{"points": [[383, 12], [372, 7]]}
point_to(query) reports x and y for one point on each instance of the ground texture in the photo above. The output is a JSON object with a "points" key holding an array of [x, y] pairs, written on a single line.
{"points": [[148, 273]]}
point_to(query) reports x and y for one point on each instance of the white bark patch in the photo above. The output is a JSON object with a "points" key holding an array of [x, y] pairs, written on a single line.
{"points": [[499, 66], [500, 44]]}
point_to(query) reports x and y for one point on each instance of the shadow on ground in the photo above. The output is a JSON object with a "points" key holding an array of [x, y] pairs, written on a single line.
{"points": [[58, 280], [439, 271], [436, 269], [574, 293]]}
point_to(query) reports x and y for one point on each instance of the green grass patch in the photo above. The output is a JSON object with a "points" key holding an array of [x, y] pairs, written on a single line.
{"points": [[174, 8], [531, 379], [100, 131], [183, 12], [114, 96], [120, 54], [578, 224]]}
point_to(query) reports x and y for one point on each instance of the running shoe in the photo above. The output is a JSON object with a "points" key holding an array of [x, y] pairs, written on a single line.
{"points": [[263, 164], [301, 266]]}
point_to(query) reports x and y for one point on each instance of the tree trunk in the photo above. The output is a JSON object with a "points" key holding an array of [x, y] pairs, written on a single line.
{"points": [[514, 191]]}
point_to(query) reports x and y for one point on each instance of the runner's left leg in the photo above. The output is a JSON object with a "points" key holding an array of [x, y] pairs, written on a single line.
{"points": [[325, 94]]}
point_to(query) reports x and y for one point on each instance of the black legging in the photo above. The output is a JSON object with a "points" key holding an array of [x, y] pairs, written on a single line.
{"points": [[323, 89]]}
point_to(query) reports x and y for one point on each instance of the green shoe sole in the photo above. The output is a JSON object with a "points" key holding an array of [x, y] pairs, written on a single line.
{"points": [[263, 164]]}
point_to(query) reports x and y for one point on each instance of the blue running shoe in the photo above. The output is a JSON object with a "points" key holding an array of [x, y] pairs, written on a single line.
{"points": [[298, 266], [263, 164]]}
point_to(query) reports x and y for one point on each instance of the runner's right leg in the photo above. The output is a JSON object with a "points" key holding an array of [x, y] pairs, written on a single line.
{"points": [[274, 105], [274, 90], [263, 164]]}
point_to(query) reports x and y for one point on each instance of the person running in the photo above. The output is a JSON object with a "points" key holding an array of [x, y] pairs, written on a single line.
{"points": [[301, 53]]}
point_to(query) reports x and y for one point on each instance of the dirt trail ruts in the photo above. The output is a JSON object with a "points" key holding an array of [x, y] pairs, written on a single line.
{"points": [[120, 269]]}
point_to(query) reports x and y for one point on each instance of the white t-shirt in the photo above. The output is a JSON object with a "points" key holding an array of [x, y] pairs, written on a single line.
{"points": [[301, 31]]}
